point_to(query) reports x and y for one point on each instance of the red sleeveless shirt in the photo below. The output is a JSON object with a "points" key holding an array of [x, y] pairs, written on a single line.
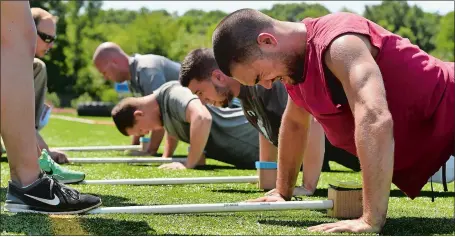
{"points": [[419, 91]]}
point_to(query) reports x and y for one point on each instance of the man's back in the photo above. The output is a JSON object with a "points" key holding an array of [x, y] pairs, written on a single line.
{"points": [[232, 139], [149, 72]]}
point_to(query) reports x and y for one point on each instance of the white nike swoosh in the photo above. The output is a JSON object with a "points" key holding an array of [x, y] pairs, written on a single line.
{"points": [[53, 202]]}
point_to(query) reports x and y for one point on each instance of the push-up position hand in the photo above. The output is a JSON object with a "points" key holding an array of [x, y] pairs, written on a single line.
{"points": [[137, 153], [270, 196], [356, 226], [59, 156], [173, 166]]}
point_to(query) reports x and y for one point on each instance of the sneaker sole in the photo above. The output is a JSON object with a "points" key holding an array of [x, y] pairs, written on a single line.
{"points": [[71, 181], [17, 208]]}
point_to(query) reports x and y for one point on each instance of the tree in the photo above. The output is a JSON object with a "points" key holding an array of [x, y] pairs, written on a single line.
{"points": [[410, 22], [445, 38]]}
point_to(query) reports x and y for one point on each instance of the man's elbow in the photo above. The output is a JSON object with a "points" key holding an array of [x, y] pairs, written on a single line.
{"points": [[204, 119], [380, 122]]}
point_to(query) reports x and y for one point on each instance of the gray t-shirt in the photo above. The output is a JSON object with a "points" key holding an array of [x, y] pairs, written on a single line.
{"points": [[148, 72], [232, 138], [264, 108]]}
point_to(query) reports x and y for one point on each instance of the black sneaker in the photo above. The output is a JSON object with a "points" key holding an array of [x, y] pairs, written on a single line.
{"points": [[46, 195]]}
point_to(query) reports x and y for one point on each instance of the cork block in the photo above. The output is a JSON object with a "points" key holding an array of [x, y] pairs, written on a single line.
{"points": [[347, 202]]}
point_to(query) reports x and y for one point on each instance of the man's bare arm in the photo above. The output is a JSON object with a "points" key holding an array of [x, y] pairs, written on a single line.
{"points": [[135, 140], [156, 136], [350, 59], [200, 121], [267, 151], [313, 157], [41, 143], [291, 147], [170, 145]]}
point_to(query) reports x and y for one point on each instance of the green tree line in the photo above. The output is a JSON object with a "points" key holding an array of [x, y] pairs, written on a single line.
{"points": [[83, 25]]}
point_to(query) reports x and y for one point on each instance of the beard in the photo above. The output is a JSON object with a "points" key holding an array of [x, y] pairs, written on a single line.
{"points": [[294, 66], [226, 93]]}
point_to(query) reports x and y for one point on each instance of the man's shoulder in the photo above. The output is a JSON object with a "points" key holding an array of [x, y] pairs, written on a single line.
{"points": [[38, 63], [169, 87]]}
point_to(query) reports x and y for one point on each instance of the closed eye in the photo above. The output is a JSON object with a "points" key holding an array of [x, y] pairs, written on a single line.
{"points": [[257, 80]]}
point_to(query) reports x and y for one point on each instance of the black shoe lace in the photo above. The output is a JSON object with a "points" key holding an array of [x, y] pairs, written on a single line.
{"points": [[63, 188]]}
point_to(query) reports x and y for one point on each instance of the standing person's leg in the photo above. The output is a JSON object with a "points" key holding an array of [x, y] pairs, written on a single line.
{"points": [[30, 190], [17, 102]]}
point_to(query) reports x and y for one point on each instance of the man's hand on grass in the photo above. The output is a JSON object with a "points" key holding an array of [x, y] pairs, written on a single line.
{"points": [[58, 156], [354, 226], [137, 153], [173, 166]]}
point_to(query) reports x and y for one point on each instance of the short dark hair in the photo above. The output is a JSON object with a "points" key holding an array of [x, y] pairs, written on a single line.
{"points": [[123, 114], [197, 65], [38, 14], [234, 38]]}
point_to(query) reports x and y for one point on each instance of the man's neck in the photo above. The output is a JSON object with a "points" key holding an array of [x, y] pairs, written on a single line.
{"points": [[150, 106], [295, 34], [234, 86]]}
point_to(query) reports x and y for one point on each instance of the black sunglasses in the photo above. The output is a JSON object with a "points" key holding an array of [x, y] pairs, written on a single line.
{"points": [[47, 38]]}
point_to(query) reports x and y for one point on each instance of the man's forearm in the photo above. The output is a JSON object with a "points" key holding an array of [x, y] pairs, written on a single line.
{"points": [[170, 145], [41, 143], [135, 140], [313, 157], [267, 151], [199, 134], [375, 147], [155, 141], [291, 148]]}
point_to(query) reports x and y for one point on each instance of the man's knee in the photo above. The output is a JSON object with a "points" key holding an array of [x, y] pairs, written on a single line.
{"points": [[17, 26]]}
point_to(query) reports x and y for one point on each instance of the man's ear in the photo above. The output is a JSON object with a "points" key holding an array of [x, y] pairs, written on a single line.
{"points": [[218, 77], [138, 113], [266, 40]]}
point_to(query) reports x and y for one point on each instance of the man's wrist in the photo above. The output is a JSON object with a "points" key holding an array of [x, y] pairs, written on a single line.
{"points": [[277, 194], [377, 221]]}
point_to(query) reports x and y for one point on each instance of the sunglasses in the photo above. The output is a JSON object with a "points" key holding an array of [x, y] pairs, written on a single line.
{"points": [[47, 38]]}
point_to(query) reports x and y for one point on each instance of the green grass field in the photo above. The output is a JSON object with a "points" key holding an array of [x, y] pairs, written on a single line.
{"points": [[405, 216]]}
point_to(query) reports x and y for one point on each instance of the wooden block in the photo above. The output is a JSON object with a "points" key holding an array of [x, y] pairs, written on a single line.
{"points": [[346, 203]]}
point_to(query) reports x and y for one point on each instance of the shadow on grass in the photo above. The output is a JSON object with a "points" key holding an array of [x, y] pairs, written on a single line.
{"points": [[3, 194], [397, 226], [114, 201], [338, 171], [40, 224], [419, 226], [236, 191], [25, 224], [173, 156], [3, 158], [104, 226], [171, 234], [215, 167], [303, 224], [399, 193]]}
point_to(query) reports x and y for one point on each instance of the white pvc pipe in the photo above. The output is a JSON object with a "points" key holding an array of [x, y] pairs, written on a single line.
{"points": [[99, 148], [125, 160], [217, 207], [166, 181]]}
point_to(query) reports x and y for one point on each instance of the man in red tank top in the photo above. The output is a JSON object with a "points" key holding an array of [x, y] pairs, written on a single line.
{"points": [[376, 95]]}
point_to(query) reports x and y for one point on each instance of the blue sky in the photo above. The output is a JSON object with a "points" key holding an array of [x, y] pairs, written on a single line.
{"points": [[180, 7]]}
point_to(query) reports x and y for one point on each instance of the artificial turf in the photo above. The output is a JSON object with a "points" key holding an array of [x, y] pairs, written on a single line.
{"points": [[405, 217]]}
